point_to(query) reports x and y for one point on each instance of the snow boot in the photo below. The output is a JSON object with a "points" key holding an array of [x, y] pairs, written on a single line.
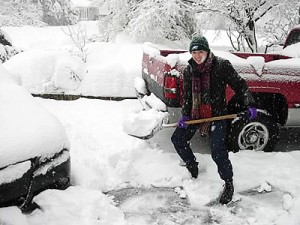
{"points": [[193, 168], [227, 194]]}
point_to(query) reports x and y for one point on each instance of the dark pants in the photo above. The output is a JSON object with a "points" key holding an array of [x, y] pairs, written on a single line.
{"points": [[217, 138]]}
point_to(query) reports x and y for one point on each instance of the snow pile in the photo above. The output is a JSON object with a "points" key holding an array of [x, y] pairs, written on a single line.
{"points": [[111, 70], [258, 63], [140, 85], [98, 209], [47, 65], [88, 207], [15, 216], [47, 71]]}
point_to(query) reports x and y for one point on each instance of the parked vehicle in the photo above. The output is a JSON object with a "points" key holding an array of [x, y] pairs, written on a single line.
{"points": [[273, 79], [34, 150]]}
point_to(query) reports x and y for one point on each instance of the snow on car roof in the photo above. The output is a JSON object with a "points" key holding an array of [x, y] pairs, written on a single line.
{"points": [[27, 128]]}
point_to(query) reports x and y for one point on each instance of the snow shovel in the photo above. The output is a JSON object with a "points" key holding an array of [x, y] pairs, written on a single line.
{"points": [[161, 125]]}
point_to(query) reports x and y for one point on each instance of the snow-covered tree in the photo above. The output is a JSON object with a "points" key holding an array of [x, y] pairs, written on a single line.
{"points": [[20, 13], [37, 12], [148, 20], [59, 12], [282, 20], [78, 35], [116, 21], [244, 15]]}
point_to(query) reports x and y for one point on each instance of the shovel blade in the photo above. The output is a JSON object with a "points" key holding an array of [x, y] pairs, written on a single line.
{"points": [[144, 124], [150, 135]]}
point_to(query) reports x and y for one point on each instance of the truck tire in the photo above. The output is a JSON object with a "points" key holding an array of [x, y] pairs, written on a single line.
{"points": [[260, 134]]}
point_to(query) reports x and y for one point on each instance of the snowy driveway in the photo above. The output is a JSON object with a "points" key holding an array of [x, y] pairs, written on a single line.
{"points": [[106, 160]]}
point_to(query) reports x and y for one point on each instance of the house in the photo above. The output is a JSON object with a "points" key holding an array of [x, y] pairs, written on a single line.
{"points": [[86, 10]]}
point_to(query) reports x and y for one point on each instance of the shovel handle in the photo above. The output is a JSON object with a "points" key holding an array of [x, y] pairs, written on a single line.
{"points": [[204, 120]]}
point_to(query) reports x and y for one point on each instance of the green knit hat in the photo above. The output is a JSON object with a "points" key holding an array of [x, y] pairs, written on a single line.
{"points": [[199, 43]]}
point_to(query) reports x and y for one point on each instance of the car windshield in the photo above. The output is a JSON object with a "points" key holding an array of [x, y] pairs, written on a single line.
{"points": [[293, 38]]}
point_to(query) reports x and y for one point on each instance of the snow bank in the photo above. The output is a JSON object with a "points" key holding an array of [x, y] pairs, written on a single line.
{"points": [[47, 71], [76, 206]]}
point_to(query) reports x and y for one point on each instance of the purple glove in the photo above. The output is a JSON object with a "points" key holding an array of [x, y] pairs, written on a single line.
{"points": [[252, 113], [182, 122]]}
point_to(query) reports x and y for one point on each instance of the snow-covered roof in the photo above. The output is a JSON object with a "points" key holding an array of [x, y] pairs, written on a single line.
{"points": [[81, 3]]}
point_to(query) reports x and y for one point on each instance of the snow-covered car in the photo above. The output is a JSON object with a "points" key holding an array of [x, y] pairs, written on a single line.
{"points": [[34, 147]]}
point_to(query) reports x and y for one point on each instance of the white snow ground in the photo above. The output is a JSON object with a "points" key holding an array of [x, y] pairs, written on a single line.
{"points": [[105, 159]]}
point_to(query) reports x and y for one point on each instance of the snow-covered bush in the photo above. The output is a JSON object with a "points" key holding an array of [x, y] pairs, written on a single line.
{"points": [[47, 71], [68, 73], [6, 48], [79, 38]]}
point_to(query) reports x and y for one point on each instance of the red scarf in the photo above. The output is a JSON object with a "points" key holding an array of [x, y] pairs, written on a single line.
{"points": [[201, 107]]}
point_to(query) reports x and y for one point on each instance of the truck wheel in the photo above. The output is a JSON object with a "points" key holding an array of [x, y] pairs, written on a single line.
{"points": [[260, 134]]}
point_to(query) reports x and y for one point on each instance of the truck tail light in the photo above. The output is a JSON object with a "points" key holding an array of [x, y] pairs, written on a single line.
{"points": [[170, 86]]}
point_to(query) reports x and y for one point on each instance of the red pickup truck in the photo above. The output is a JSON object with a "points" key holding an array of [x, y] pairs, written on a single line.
{"points": [[273, 79]]}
